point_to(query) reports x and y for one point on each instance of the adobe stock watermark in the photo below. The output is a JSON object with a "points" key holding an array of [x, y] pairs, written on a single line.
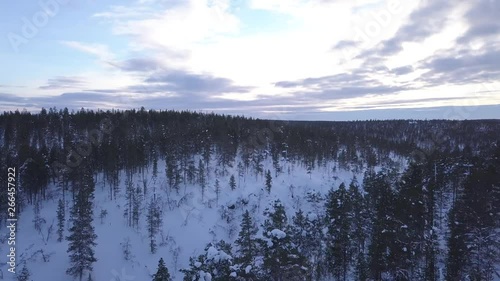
{"points": [[31, 26], [373, 25], [83, 149]]}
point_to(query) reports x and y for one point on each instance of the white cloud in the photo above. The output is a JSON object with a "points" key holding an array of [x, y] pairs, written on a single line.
{"points": [[101, 51]]}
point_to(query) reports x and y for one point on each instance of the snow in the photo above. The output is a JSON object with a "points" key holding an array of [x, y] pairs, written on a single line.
{"points": [[216, 255], [190, 222], [277, 233]]}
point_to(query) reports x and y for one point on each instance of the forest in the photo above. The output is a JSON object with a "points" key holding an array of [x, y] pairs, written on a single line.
{"points": [[295, 200]]}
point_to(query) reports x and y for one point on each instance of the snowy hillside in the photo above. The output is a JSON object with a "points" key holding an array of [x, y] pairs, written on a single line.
{"points": [[189, 222]]}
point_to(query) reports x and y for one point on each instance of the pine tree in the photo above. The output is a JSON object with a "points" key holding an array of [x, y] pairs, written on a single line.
{"points": [[202, 178], [241, 172], [269, 181], [154, 221], [339, 251], [359, 229], [127, 254], [38, 221], [24, 275], [82, 236], [60, 220], [247, 245], [474, 243], [307, 236], [162, 273], [383, 233], [412, 222], [129, 196], [232, 182], [215, 264], [136, 206], [217, 191], [282, 260]]}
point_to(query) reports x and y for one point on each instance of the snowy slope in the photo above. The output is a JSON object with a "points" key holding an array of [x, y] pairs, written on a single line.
{"points": [[189, 222]]}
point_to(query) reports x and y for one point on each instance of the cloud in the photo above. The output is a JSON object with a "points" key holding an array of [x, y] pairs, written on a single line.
{"points": [[63, 82], [428, 19], [463, 68], [343, 44], [101, 51], [180, 25], [185, 83], [402, 70], [139, 65], [483, 22]]}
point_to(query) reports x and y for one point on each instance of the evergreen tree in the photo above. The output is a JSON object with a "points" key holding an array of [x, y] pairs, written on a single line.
{"points": [[162, 273], [154, 221], [129, 196], [136, 206], [241, 172], [215, 264], [269, 181], [60, 220], [282, 260], [82, 236], [24, 275], [359, 229], [38, 221], [411, 219], [383, 232], [339, 251], [247, 246], [474, 243], [217, 191], [307, 236], [232, 182], [202, 178], [127, 254]]}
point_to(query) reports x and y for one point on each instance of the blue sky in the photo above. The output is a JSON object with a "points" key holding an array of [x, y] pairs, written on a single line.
{"points": [[294, 59]]}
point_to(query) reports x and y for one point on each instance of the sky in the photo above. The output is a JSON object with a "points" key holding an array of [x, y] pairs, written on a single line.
{"points": [[278, 59]]}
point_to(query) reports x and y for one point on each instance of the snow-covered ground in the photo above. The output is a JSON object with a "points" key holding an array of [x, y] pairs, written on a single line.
{"points": [[189, 222]]}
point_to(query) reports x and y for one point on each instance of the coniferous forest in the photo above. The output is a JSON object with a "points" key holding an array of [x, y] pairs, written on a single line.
{"points": [[168, 195]]}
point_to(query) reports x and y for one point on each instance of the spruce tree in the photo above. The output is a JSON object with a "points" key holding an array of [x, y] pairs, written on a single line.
{"points": [[247, 245], [162, 273], [383, 233], [129, 196], [82, 236], [282, 260], [241, 172], [60, 220], [339, 251], [307, 236], [38, 221], [24, 275], [154, 221], [232, 182], [217, 191], [215, 264], [269, 181], [136, 206], [359, 229], [202, 178], [411, 223]]}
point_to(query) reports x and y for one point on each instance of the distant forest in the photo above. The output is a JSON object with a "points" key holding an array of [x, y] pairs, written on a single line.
{"points": [[420, 177]]}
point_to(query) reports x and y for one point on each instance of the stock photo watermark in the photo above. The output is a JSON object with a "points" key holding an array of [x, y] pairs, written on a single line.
{"points": [[31, 25]]}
